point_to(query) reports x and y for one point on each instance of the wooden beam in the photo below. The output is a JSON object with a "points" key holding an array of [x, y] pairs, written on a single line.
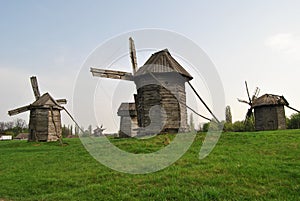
{"points": [[35, 87], [19, 110], [61, 101], [293, 108], [203, 102], [133, 55], [111, 74]]}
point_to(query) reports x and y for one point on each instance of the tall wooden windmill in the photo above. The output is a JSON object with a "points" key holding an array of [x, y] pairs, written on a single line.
{"points": [[45, 118], [160, 68], [269, 113]]}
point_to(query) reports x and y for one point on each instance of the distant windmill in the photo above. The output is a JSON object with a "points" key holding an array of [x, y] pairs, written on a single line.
{"points": [[268, 109], [160, 81], [98, 132], [45, 118]]}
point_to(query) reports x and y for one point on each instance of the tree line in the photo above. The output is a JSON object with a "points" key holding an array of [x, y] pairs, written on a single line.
{"points": [[248, 125], [14, 127], [18, 126]]}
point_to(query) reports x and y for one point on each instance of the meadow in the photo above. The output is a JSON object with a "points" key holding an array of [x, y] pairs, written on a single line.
{"points": [[243, 166]]}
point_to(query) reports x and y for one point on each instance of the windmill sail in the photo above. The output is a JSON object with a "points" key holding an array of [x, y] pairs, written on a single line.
{"points": [[243, 101], [248, 92], [133, 55], [35, 87], [61, 101], [112, 74], [19, 110]]}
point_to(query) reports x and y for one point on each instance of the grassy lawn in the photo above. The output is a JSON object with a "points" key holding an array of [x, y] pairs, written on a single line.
{"points": [[243, 166]]}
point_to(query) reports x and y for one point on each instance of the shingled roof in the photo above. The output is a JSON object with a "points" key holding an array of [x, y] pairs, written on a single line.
{"points": [[269, 99], [45, 101], [162, 62], [126, 109]]}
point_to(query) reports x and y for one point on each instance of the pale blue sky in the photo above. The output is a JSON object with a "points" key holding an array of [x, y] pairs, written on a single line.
{"points": [[257, 41]]}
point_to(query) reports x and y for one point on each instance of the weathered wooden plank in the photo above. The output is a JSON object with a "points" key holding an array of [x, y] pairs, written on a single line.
{"points": [[111, 74], [35, 87], [19, 110], [61, 101]]}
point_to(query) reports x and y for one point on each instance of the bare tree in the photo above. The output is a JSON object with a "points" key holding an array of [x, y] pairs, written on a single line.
{"points": [[2, 126], [9, 125], [76, 130], [20, 123]]}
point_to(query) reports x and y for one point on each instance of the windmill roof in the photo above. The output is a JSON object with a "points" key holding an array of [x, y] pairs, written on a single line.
{"points": [[162, 62], [269, 99], [127, 107], [45, 100]]}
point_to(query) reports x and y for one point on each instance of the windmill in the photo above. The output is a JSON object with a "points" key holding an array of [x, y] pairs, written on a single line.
{"points": [[99, 131], [250, 102], [45, 118], [160, 81], [269, 113]]}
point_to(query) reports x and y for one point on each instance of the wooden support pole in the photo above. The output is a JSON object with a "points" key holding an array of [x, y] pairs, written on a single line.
{"points": [[203, 102], [293, 109]]}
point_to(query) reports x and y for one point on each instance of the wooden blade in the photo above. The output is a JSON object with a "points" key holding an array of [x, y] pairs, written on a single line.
{"points": [[255, 94], [35, 87], [19, 110], [243, 101], [112, 74], [248, 92], [133, 55], [61, 101]]}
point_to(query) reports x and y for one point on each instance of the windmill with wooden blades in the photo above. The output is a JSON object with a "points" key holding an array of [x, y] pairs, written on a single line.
{"points": [[250, 102], [159, 82], [45, 117], [269, 113]]}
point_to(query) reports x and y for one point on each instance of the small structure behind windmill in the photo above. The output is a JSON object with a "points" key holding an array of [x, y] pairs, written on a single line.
{"points": [[159, 82], [98, 132], [269, 113], [45, 118], [128, 121]]}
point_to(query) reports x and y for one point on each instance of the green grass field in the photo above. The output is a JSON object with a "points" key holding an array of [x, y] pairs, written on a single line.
{"points": [[243, 166]]}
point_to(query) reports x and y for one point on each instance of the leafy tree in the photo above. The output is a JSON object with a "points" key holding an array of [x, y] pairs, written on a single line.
{"points": [[238, 126], [294, 121], [249, 124], [228, 127], [205, 127]]}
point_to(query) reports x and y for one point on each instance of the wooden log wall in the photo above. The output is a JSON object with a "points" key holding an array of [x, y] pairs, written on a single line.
{"points": [[168, 91], [269, 117], [54, 125], [38, 125], [43, 126]]}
